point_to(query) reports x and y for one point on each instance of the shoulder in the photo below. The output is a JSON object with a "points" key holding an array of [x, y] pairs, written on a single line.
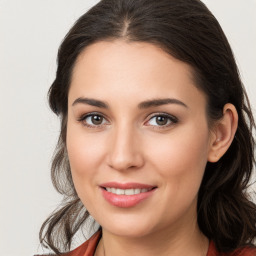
{"points": [[86, 249], [245, 251]]}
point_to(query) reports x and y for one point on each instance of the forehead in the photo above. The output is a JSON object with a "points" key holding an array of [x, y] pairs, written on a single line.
{"points": [[138, 70], [134, 58]]}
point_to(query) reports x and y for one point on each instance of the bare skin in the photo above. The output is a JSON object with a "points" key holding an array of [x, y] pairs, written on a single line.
{"points": [[135, 115]]}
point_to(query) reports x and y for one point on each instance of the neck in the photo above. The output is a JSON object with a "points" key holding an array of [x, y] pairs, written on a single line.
{"points": [[185, 241]]}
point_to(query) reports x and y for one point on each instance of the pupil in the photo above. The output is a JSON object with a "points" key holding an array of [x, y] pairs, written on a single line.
{"points": [[161, 120], [96, 120]]}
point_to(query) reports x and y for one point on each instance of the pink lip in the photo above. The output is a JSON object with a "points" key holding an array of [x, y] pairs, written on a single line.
{"points": [[126, 185], [126, 201]]}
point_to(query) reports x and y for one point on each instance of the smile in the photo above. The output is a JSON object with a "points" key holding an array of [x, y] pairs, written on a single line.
{"points": [[128, 192], [125, 195]]}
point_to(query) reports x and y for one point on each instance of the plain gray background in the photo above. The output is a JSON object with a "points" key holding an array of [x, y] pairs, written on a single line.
{"points": [[30, 33]]}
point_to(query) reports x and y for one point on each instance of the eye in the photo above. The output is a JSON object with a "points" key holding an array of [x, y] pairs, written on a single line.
{"points": [[93, 120], [162, 120]]}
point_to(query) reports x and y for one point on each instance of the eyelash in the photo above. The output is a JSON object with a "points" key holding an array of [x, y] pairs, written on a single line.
{"points": [[84, 117], [172, 120]]}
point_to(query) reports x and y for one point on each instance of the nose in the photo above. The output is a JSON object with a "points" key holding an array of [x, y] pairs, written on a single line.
{"points": [[125, 150]]}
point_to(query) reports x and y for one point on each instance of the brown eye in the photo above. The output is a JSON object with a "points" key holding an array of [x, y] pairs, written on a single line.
{"points": [[161, 120], [96, 120], [93, 120]]}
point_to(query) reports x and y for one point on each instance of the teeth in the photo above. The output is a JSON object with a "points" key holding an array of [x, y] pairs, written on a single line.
{"points": [[136, 191], [128, 192], [119, 191]]}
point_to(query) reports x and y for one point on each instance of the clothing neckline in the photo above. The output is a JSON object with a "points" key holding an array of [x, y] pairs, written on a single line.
{"points": [[95, 239]]}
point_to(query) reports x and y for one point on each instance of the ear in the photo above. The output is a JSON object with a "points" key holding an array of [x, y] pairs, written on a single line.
{"points": [[223, 133]]}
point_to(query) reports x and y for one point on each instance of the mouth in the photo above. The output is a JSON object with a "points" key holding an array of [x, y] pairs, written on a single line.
{"points": [[128, 192], [126, 195]]}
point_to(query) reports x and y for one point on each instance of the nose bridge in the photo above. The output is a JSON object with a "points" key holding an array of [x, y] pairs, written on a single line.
{"points": [[124, 152]]}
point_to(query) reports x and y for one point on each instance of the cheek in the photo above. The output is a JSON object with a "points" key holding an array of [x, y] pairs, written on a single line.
{"points": [[180, 162], [85, 154], [84, 150], [180, 157]]}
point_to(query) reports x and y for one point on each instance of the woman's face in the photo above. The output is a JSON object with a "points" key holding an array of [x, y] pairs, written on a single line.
{"points": [[137, 138]]}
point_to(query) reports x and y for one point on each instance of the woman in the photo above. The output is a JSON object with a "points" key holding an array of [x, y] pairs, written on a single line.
{"points": [[156, 134]]}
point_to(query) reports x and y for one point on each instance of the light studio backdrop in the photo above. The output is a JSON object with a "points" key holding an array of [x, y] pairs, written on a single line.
{"points": [[30, 33]]}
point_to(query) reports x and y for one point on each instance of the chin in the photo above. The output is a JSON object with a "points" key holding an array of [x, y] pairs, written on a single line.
{"points": [[129, 228], [129, 232]]}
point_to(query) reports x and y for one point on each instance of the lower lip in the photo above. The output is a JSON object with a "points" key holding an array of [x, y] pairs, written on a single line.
{"points": [[125, 201]]}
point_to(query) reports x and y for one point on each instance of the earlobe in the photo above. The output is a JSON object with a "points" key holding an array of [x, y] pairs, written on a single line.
{"points": [[223, 134]]}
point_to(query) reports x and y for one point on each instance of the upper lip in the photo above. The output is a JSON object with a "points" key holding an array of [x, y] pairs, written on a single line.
{"points": [[128, 185]]}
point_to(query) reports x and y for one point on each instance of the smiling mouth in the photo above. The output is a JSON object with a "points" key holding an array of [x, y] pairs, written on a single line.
{"points": [[128, 192], [126, 195]]}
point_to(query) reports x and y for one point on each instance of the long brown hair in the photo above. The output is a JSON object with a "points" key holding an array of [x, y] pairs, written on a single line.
{"points": [[187, 30]]}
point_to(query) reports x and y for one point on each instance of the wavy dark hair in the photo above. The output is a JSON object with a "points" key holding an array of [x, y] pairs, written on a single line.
{"points": [[187, 30]]}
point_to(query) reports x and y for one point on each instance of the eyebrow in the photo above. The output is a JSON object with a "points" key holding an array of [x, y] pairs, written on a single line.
{"points": [[160, 102], [142, 105], [92, 102]]}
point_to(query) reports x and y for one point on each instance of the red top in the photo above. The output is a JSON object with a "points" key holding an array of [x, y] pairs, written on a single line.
{"points": [[88, 248], [212, 251]]}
